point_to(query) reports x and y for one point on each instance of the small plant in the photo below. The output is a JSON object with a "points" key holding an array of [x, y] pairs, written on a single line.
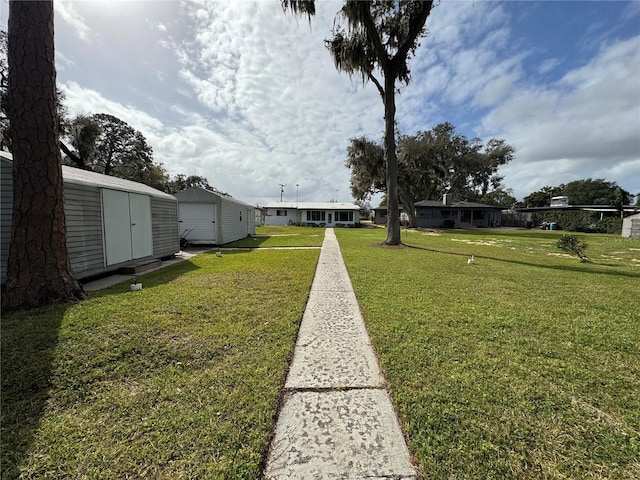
{"points": [[573, 246]]}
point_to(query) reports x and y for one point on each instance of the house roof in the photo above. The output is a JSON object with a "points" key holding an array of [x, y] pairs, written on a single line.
{"points": [[454, 205], [313, 205], [86, 177]]}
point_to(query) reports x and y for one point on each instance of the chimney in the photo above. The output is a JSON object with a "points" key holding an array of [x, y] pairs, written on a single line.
{"points": [[446, 199]]}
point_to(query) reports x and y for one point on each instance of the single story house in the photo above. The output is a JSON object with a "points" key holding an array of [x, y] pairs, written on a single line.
{"points": [[316, 214], [631, 226], [111, 222], [446, 213], [211, 218]]}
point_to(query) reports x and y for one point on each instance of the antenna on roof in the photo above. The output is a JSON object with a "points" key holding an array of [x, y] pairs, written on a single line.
{"points": [[281, 190]]}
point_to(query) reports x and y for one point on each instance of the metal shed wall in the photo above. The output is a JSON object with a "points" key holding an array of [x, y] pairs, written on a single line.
{"points": [[235, 218], [84, 218], [6, 212], [164, 224]]}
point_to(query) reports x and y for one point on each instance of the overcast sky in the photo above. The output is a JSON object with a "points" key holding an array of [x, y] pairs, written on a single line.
{"points": [[247, 96]]}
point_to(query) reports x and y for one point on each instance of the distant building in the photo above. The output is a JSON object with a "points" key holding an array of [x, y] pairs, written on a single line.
{"points": [[561, 201], [446, 213], [316, 214]]}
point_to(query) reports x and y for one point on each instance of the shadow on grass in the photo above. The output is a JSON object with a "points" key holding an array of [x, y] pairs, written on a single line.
{"points": [[582, 267], [28, 343], [150, 280], [29, 340]]}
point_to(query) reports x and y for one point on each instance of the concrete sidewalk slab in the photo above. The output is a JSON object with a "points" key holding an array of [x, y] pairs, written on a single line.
{"points": [[337, 420], [333, 349], [340, 434], [331, 277]]}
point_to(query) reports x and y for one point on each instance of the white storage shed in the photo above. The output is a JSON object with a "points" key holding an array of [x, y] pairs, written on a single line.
{"points": [[211, 218], [111, 222], [631, 226]]}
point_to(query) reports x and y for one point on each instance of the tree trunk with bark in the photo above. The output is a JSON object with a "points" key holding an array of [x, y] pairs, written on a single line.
{"points": [[391, 159], [38, 270]]}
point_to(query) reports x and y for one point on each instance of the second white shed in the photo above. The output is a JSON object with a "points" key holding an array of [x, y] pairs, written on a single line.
{"points": [[211, 218]]}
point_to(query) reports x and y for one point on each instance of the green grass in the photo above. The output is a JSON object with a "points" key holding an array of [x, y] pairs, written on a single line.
{"points": [[282, 236], [523, 366], [179, 380]]}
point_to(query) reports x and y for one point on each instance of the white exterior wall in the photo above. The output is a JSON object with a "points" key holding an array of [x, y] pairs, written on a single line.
{"points": [[292, 216], [631, 226]]}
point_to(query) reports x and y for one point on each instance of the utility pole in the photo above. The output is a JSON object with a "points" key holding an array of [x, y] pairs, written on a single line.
{"points": [[281, 190], [297, 186]]}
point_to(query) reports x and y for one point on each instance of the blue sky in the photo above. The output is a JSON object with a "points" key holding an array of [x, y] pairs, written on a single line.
{"points": [[247, 96]]}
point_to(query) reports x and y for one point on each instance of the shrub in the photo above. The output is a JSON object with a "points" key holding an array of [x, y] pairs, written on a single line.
{"points": [[572, 245]]}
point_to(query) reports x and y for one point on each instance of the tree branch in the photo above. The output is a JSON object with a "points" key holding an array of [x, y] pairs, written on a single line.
{"points": [[414, 29], [75, 158], [377, 84], [365, 17]]}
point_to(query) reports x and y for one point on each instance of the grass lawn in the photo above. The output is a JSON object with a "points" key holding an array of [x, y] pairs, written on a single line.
{"points": [[282, 236], [523, 366], [179, 380]]}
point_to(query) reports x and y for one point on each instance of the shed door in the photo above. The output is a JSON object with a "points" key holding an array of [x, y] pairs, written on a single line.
{"points": [[198, 222], [127, 226], [141, 238]]}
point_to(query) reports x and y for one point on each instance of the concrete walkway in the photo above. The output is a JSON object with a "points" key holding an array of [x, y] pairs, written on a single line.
{"points": [[336, 420]]}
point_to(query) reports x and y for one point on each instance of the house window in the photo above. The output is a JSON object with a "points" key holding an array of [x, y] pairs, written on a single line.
{"points": [[240, 215], [281, 213], [344, 216], [315, 216], [465, 216], [478, 214]]}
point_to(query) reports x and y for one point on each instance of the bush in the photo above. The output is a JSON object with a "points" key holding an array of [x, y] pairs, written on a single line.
{"points": [[572, 245]]}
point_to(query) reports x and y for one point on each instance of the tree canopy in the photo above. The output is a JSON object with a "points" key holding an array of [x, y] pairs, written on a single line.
{"points": [[580, 192], [106, 144], [431, 163]]}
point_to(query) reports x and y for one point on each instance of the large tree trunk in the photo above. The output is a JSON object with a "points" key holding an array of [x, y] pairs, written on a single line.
{"points": [[38, 269], [407, 202], [391, 160]]}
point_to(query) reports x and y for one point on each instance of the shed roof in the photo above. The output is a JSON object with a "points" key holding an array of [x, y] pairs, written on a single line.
{"points": [[313, 205], [94, 179], [197, 194]]}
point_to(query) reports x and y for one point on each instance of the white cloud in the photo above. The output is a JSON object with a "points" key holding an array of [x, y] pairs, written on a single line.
{"points": [[70, 15], [548, 65]]}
